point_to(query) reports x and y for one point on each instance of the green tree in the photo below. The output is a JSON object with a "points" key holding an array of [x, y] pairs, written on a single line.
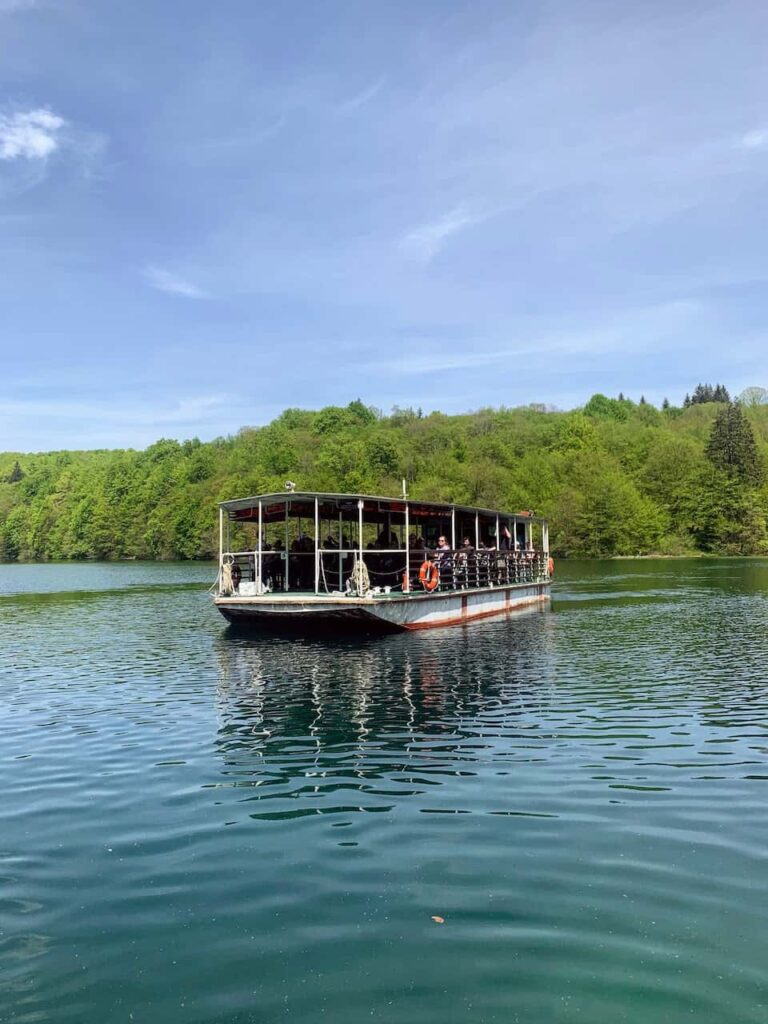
{"points": [[725, 515], [731, 446], [607, 408], [16, 474]]}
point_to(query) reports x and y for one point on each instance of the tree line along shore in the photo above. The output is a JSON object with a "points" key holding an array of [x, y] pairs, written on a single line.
{"points": [[615, 477]]}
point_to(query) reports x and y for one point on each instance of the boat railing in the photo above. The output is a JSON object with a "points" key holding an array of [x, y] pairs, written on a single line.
{"points": [[470, 568], [331, 568]]}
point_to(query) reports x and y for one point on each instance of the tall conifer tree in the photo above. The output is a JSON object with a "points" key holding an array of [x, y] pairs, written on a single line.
{"points": [[732, 447]]}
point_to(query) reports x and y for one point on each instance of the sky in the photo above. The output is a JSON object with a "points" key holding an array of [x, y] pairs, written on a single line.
{"points": [[212, 212]]}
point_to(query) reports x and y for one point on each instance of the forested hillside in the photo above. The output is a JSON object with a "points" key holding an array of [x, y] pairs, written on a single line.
{"points": [[614, 477]]}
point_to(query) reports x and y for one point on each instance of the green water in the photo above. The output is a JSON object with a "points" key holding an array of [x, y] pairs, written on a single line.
{"points": [[197, 826]]}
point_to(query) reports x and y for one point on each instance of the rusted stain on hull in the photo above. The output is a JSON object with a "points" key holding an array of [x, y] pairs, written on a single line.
{"points": [[466, 616]]}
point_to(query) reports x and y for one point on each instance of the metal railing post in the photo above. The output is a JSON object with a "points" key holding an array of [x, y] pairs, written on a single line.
{"points": [[317, 547]]}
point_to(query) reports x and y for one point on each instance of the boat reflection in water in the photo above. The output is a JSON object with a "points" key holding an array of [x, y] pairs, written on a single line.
{"points": [[337, 726]]}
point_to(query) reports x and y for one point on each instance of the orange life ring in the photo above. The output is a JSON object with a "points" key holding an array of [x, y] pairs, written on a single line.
{"points": [[429, 575], [551, 566]]}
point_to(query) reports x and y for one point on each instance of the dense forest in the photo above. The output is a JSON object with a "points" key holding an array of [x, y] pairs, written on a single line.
{"points": [[616, 477]]}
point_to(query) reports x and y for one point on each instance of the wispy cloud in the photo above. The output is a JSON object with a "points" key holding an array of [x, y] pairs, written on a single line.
{"points": [[183, 411], [756, 139], [425, 242], [30, 134], [362, 97], [642, 330], [165, 281]]}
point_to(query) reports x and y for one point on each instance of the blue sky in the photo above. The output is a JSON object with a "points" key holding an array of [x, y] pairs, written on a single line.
{"points": [[210, 212]]}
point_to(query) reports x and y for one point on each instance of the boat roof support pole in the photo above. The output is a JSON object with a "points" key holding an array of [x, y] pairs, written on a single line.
{"points": [[407, 574], [545, 538], [453, 529], [221, 540], [360, 529], [317, 547], [260, 549], [477, 530], [286, 583], [498, 535], [341, 557]]}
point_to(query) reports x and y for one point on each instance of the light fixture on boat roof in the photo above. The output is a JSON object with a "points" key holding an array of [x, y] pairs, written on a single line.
{"points": [[290, 486]]}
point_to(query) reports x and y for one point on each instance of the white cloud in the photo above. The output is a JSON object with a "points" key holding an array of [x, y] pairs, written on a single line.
{"points": [[756, 139], [425, 242], [165, 281], [30, 134]]}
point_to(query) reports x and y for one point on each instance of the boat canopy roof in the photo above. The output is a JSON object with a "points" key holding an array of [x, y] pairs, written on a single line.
{"points": [[274, 505]]}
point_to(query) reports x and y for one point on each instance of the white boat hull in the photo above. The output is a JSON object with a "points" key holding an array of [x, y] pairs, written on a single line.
{"points": [[385, 613]]}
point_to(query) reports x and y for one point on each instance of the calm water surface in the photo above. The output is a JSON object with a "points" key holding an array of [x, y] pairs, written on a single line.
{"points": [[201, 827]]}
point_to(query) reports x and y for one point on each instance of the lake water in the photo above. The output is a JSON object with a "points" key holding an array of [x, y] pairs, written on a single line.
{"points": [[201, 827]]}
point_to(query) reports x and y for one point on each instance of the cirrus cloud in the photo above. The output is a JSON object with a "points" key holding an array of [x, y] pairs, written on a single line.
{"points": [[426, 241], [166, 281]]}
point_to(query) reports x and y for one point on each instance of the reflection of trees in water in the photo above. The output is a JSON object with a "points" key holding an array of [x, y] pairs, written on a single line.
{"points": [[350, 712]]}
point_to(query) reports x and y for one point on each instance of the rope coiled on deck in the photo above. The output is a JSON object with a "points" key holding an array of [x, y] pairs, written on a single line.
{"points": [[359, 580]]}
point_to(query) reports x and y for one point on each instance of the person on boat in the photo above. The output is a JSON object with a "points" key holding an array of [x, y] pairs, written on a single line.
{"points": [[464, 564], [505, 541], [444, 560]]}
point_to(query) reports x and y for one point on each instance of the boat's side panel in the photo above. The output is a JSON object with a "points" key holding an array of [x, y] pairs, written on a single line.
{"points": [[302, 616], [416, 611], [458, 607]]}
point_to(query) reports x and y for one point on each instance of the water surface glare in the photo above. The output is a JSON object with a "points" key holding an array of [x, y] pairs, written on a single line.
{"points": [[200, 826]]}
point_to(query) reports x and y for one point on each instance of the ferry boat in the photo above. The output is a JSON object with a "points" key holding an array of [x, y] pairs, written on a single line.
{"points": [[308, 560]]}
